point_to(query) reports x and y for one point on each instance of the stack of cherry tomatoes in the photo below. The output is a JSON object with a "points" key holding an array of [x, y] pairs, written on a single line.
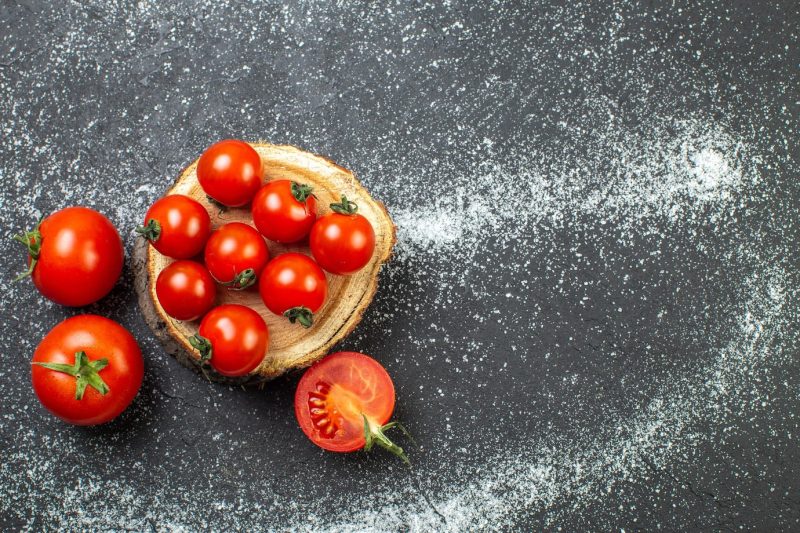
{"points": [[233, 338], [88, 368]]}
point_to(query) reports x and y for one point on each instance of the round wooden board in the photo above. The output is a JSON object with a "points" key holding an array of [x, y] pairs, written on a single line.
{"points": [[290, 345]]}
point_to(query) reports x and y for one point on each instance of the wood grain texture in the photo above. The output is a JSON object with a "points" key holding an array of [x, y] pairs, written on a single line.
{"points": [[291, 346]]}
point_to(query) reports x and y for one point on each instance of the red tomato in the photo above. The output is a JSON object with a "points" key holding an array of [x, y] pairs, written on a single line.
{"points": [[230, 172], [177, 226], [75, 256], [294, 286], [87, 370], [186, 290], [344, 402], [235, 255], [233, 338], [343, 241], [284, 210]]}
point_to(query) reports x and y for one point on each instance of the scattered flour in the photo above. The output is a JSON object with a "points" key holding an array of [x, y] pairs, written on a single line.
{"points": [[669, 174], [676, 169]]}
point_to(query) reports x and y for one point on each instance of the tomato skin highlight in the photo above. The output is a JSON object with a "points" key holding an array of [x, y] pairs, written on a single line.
{"points": [[239, 339], [234, 248], [80, 259], [184, 226], [100, 338], [230, 172], [186, 290], [279, 216], [293, 280], [335, 394], [342, 244]]}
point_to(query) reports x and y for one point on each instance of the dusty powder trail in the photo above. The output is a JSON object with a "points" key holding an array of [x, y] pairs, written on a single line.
{"points": [[591, 316]]}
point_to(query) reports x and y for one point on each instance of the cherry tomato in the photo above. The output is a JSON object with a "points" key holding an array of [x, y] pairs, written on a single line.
{"points": [[235, 255], [87, 370], [284, 211], [294, 286], [343, 241], [344, 402], [177, 226], [186, 290], [75, 256], [230, 172], [233, 338]]}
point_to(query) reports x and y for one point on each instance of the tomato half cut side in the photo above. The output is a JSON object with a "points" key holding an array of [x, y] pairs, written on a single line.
{"points": [[343, 403]]}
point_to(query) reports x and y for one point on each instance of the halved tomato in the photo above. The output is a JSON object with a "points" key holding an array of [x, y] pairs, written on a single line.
{"points": [[344, 402]]}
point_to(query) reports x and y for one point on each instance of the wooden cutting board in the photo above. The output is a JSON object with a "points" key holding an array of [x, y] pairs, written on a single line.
{"points": [[290, 345]]}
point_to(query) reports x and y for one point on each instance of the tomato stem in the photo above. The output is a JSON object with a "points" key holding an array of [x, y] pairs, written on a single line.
{"points": [[150, 231], [303, 315], [202, 345], [375, 434], [86, 372], [32, 240], [345, 207], [242, 280], [301, 191]]}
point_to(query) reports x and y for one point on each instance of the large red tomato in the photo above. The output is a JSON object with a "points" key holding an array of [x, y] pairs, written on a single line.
{"points": [[75, 256], [233, 339], [177, 226], [230, 172], [344, 402], [186, 290], [343, 241], [235, 255], [294, 286], [284, 211], [87, 370]]}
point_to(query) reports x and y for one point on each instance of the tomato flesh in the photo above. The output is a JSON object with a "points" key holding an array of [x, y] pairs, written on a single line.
{"points": [[334, 396], [186, 290], [293, 280], [230, 172], [184, 226], [80, 259], [342, 244], [238, 337], [99, 338], [234, 248], [279, 216]]}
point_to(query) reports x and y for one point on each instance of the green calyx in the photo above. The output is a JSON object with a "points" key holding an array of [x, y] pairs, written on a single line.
{"points": [[375, 434], [242, 280], [150, 231], [303, 315], [202, 345], [86, 373], [345, 207], [32, 240], [301, 192]]}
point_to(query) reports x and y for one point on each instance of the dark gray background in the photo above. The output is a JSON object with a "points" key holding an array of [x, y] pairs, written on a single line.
{"points": [[587, 369]]}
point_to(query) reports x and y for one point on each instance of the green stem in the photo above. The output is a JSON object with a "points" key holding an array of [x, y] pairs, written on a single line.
{"points": [[32, 240], [150, 231], [303, 315], [202, 345], [345, 207], [86, 373], [242, 280], [301, 191], [375, 434]]}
